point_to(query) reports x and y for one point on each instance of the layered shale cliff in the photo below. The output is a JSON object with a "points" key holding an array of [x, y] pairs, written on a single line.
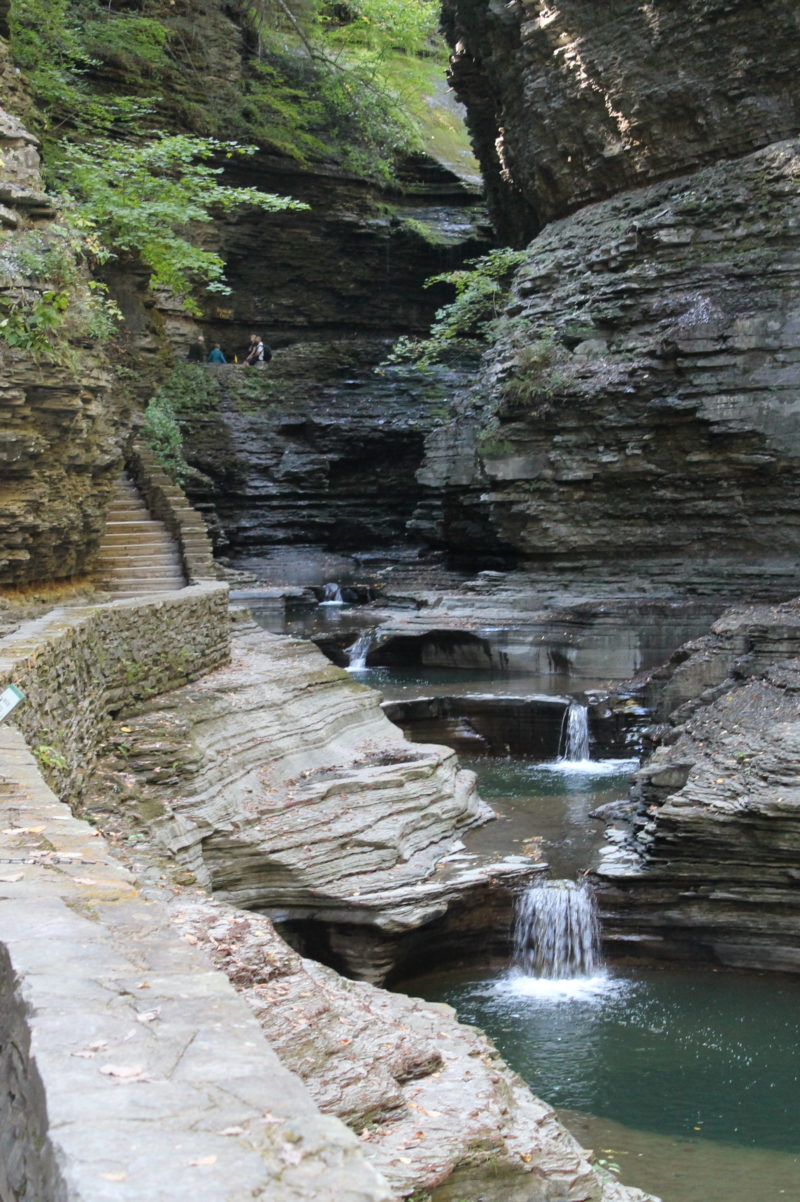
{"points": [[575, 102], [63, 423], [641, 398], [702, 864]]}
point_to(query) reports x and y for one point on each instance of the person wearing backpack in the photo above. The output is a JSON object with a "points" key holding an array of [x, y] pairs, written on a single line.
{"points": [[259, 353]]}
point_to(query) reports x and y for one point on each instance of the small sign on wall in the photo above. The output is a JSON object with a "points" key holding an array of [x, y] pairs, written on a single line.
{"points": [[9, 699]]}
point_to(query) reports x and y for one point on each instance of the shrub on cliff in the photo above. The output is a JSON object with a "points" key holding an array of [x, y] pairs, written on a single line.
{"points": [[481, 288], [143, 198]]}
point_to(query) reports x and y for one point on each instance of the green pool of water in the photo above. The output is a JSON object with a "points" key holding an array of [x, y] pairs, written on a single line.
{"points": [[549, 803], [692, 1059], [679, 1052]]}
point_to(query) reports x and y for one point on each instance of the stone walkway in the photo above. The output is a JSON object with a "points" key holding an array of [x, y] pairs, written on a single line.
{"points": [[131, 1071]]}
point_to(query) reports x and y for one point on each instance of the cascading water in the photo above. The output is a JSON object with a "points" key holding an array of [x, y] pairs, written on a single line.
{"points": [[576, 745], [357, 652], [332, 594], [556, 933]]}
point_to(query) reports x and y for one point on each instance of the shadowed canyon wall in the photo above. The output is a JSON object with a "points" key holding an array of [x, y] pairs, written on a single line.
{"points": [[640, 401], [577, 101]]}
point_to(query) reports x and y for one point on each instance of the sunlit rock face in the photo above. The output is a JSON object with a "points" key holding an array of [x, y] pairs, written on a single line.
{"points": [[638, 403], [577, 101]]}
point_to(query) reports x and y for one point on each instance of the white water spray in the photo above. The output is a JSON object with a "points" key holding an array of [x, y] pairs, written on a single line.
{"points": [[576, 745], [331, 594], [358, 651], [556, 933]]}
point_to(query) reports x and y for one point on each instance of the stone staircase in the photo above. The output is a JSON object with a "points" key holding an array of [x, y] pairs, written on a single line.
{"points": [[138, 555]]}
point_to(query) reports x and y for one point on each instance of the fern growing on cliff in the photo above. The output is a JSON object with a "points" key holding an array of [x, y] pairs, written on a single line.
{"points": [[481, 288]]}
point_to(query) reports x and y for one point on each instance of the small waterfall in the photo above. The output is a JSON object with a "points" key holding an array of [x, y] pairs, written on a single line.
{"points": [[576, 745], [332, 594], [357, 652], [556, 933]]}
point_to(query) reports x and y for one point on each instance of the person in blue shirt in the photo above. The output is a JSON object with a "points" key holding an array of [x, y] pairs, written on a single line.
{"points": [[215, 355]]}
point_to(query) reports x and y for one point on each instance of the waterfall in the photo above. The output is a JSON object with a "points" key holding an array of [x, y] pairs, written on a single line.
{"points": [[556, 934], [358, 651], [576, 746], [331, 594]]}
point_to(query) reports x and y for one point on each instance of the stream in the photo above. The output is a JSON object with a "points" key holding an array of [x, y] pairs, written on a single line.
{"points": [[684, 1080]]}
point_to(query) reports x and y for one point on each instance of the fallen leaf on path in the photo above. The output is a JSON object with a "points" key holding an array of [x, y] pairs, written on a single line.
{"points": [[123, 1071], [148, 1016]]}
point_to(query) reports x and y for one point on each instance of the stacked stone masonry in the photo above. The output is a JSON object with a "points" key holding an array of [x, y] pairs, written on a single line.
{"points": [[79, 666]]}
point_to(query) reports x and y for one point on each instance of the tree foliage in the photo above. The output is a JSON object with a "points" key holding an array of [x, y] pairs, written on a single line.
{"points": [[370, 64], [144, 198]]}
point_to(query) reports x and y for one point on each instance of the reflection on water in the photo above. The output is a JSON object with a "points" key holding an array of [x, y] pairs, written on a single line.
{"points": [[399, 683], [680, 1169], [707, 1059], [548, 804]]}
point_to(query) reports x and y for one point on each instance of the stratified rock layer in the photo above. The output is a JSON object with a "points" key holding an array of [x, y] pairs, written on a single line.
{"points": [[436, 1108], [705, 865], [315, 448], [641, 402], [280, 785], [574, 102], [62, 427]]}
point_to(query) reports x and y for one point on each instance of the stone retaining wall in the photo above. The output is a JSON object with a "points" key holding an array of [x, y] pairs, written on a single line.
{"points": [[79, 666]]}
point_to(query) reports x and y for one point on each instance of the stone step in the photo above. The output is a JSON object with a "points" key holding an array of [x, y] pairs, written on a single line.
{"points": [[144, 572], [141, 525], [137, 538], [142, 559], [137, 553], [128, 513]]}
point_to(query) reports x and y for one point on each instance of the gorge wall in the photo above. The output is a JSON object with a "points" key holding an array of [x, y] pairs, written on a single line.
{"points": [[702, 863], [63, 424], [641, 397], [329, 287], [575, 102]]}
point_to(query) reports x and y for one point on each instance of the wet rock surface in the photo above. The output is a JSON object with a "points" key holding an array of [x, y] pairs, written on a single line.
{"points": [[519, 623], [705, 866]]}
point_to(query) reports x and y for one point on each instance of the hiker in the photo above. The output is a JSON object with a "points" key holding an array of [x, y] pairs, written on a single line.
{"points": [[215, 355], [259, 353], [197, 350]]}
